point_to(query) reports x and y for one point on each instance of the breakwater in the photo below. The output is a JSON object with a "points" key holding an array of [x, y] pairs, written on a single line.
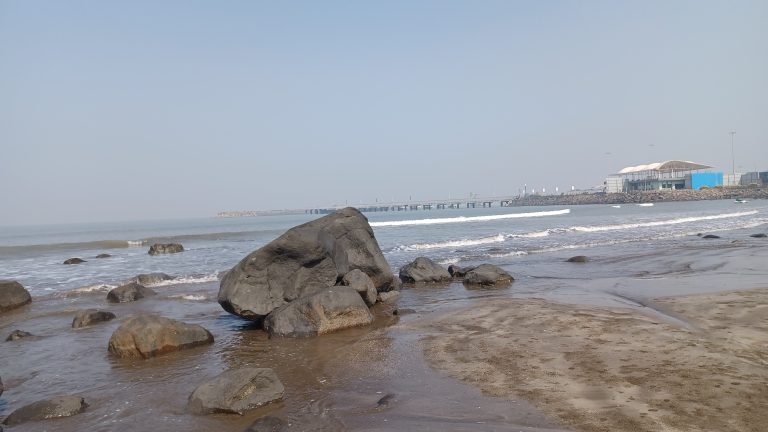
{"points": [[642, 197]]}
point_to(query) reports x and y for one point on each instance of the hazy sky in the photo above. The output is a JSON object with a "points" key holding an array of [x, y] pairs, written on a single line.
{"points": [[146, 109]]}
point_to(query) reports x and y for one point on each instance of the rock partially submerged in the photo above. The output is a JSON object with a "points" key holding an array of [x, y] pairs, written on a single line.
{"points": [[151, 278], [103, 255], [16, 335], [12, 295], [146, 336], [388, 297], [331, 309], [303, 261], [759, 235], [361, 283], [488, 275], [578, 259], [74, 261], [88, 317], [128, 293], [61, 406], [236, 391], [424, 270], [165, 248], [710, 236], [458, 272], [268, 424]]}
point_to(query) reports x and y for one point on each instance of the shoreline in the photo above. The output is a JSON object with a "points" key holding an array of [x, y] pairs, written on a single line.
{"points": [[612, 369]]}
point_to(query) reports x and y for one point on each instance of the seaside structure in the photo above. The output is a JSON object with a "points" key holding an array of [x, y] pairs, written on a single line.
{"points": [[667, 175], [754, 178]]}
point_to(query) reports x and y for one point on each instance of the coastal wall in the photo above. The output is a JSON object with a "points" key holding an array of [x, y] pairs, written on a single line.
{"points": [[642, 196]]}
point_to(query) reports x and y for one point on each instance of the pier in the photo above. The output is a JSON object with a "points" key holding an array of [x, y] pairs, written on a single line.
{"points": [[458, 203]]}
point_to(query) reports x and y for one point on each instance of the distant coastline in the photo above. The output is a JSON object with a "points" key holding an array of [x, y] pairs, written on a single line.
{"points": [[568, 199]]}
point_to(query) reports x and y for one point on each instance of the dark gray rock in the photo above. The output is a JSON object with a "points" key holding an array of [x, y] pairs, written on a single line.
{"points": [[16, 335], [103, 255], [710, 236], [236, 391], [87, 317], [329, 310], [151, 278], [488, 275], [578, 259], [361, 283], [304, 260], [145, 336], [458, 272], [12, 295], [128, 293], [61, 406], [165, 248], [74, 261], [424, 270], [268, 424], [759, 235]]}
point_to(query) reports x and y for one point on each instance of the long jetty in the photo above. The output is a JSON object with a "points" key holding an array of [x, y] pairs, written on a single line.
{"points": [[457, 203]]}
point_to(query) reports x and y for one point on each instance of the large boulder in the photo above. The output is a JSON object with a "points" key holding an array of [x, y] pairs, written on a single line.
{"points": [[61, 406], [329, 310], [146, 336], [151, 278], [74, 261], [87, 317], [16, 335], [304, 260], [361, 283], [488, 275], [236, 391], [165, 248], [12, 295], [128, 293], [424, 270]]}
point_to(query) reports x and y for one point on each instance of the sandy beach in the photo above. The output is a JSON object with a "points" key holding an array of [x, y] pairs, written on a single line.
{"points": [[612, 369]]}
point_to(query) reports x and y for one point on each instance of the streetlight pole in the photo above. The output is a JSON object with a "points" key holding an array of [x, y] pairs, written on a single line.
{"points": [[733, 157]]}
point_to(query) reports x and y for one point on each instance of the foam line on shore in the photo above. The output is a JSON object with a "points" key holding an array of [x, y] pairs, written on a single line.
{"points": [[465, 219], [599, 228]]}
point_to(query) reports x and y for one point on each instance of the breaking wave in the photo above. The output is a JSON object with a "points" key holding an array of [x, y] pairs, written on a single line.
{"points": [[599, 228], [464, 219]]}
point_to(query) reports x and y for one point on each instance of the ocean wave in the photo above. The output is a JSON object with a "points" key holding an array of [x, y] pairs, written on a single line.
{"points": [[465, 219], [191, 279], [191, 297], [453, 243], [600, 228]]}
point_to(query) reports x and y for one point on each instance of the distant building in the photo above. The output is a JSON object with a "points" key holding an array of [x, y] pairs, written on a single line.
{"points": [[754, 178], [668, 175]]}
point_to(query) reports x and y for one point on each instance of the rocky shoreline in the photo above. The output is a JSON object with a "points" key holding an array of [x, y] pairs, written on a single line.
{"points": [[642, 197]]}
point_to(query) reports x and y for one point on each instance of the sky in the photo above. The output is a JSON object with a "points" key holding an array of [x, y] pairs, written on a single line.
{"points": [[133, 110]]}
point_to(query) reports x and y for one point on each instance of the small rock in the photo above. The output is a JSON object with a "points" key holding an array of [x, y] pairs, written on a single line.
{"points": [[103, 255], [385, 401], [268, 424], [74, 261], [488, 275], [61, 406], [128, 293], [151, 278], [236, 391], [165, 248], [145, 336], [361, 283], [424, 270], [12, 295], [759, 235], [87, 317], [710, 236], [387, 297], [578, 259], [16, 335]]}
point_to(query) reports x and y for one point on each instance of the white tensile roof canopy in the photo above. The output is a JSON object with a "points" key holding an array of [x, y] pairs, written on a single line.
{"points": [[672, 165]]}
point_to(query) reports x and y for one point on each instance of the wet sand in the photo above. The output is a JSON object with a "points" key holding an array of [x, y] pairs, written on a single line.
{"points": [[704, 366]]}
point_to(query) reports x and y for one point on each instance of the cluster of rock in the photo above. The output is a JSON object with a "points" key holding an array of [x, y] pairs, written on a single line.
{"points": [[315, 278], [425, 271]]}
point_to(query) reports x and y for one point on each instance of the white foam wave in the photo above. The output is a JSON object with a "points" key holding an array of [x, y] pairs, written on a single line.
{"points": [[464, 219], [92, 288], [213, 277], [599, 228], [454, 243], [535, 234], [191, 297], [135, 242]]}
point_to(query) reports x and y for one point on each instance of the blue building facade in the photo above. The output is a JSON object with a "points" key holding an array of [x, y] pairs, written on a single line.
{"points": [[702, 179]]}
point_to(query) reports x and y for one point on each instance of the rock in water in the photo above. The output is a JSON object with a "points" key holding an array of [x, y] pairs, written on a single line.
{"points": [[361, 283], [165, 248], [1, 386], [128, 293], [329, 310], [304, 260], [759, 235], [236, 391], [458, 272], [12, 295], [87, 317], [711, 236], [388, 297], [146, 336], [151, 278], [16, 335], [103, 255], [61, 406], [488, 275], [424, 270], [578, 259], [267, 424], [74, 261]]}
